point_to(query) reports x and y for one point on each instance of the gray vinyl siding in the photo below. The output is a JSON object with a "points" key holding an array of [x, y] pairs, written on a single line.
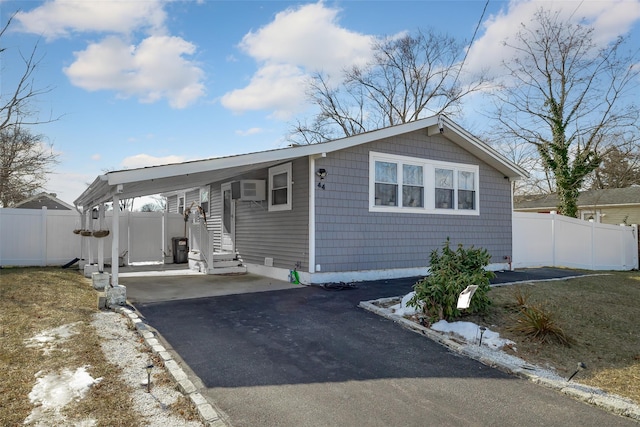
{"points": [[281, 235], [350, 238], [172, 204]]}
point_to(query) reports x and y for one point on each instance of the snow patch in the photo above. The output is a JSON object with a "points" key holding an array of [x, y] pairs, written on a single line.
{"points": [[470, 332], [402, 309], [48, 339], [53, 392]]}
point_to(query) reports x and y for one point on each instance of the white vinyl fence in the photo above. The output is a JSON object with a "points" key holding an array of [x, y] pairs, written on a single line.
{"points": [[41, 237], [554, 240], [34, 237]]}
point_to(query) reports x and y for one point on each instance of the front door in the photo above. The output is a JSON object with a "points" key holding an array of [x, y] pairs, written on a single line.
{"points": [[228, 219]]}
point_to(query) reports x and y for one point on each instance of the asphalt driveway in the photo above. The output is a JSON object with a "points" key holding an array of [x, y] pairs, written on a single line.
{"points": [[311, 357]]}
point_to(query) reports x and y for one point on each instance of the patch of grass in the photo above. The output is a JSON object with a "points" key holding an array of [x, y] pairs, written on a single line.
{"points": [[598, 313], [33, 300]]}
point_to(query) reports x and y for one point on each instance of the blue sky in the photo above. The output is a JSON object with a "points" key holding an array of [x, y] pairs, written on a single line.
{"points": [[139, 83]]}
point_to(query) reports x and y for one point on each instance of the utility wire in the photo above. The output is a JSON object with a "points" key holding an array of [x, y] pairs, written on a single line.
{"points": [[475, 32]]}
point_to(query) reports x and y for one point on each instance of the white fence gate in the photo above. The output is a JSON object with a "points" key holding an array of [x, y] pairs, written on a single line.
{"points": [[554, 240], [40, 237]]}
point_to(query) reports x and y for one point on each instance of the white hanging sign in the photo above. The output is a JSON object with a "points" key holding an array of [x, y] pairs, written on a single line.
{"points": [[464, 300]]}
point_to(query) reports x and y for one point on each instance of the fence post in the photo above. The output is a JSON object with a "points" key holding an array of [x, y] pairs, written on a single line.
{"points": [[43, 233], [593, 241], [634, 250], [553, 237]]}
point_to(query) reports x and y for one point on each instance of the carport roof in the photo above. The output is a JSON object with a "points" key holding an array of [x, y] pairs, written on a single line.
{"points": [[173, 177]]}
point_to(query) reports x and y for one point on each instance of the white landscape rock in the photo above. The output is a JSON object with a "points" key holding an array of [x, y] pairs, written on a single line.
{"points": [[121, 347]]}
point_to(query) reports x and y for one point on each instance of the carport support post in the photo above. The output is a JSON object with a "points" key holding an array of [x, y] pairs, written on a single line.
{"points": [[101, 241], [115, 242], [89, 214]]}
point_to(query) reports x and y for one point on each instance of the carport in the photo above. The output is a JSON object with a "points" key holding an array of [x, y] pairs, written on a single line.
{"points": [[112, 187]]}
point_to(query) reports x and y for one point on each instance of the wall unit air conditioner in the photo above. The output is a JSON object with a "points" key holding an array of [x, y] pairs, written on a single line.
{"points": [[248, 190]]}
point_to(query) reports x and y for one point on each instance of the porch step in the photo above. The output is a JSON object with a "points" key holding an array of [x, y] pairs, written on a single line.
{"points": [[227, 263], [224, 256], [228, 270], [223, 264]]}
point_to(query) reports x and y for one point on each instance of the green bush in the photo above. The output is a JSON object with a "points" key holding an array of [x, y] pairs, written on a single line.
{"points": [[451, 271]]}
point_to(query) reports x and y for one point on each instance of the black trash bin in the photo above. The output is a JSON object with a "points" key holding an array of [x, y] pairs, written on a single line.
{"points": [[180, 247]]}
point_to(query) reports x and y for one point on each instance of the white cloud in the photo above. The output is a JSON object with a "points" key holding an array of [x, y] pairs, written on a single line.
{"points": [[96, 157], [299, 41], [309, 37], [144, 160], [609, 19], [248, 132], [113, 64], [275, 86], [68, 185], [61, 18]]}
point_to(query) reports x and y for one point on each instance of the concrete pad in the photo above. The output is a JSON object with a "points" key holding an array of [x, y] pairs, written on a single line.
{"points": [[169, 288]]}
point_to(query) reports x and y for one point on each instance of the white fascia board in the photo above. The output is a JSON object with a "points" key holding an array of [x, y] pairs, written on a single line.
{"points": [[198, 166], [284, 154], [95, 190]]}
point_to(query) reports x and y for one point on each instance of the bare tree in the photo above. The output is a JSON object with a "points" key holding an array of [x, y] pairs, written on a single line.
{"points": [[525, 155], [24, 163], [25, 160], [568, 98], [157, 204], [620, 168], [409, 78], [16, 106]]}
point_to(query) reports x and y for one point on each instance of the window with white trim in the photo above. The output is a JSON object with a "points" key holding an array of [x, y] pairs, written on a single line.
{"points": [[181, 205], [204, 200], [280, 187], [408, 184]]}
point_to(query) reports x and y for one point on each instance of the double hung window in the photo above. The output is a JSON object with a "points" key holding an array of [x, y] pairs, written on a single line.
{"points": [[280, 188], [407, 184]]}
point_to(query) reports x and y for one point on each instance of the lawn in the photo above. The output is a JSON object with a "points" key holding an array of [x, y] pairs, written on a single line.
{"points": [[34, 300], [599, 315]]}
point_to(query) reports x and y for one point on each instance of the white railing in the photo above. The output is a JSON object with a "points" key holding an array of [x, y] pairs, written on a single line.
{"points": [[554, 240], [200, 240]]}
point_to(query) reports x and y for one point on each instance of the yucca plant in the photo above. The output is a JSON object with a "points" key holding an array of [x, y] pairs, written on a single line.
{"points": [[521, 296], [537, 323]]}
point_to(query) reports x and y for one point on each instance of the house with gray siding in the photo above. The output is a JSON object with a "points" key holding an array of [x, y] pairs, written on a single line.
{"points": [[365, 207]]}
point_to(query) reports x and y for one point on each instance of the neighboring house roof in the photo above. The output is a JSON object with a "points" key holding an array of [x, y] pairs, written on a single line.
{"points": [[167, 178], [43, 199], [607, 197]]}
